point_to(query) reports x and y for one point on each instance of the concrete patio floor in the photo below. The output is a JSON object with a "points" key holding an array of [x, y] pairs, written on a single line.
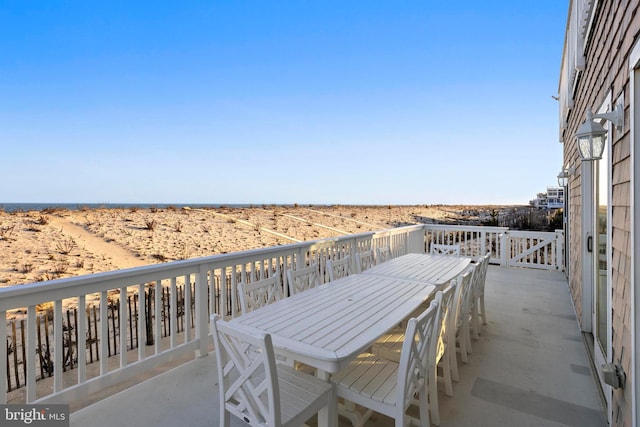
{"points": [[528, 368]]}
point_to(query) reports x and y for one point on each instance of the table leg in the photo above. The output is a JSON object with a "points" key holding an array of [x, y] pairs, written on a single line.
{"points": [[326, 418]]}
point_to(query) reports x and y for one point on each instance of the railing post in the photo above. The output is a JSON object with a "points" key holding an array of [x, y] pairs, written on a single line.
{"points": [[503, 249], [560, 250], [300, 258], [202, 320], [353, 249], [415, 241]]}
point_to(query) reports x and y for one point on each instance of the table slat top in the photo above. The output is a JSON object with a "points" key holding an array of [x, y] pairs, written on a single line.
{"points": [[328, 325], [430, 268]]}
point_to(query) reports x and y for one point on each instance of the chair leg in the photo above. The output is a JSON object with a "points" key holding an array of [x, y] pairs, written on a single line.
{"points": [[423, 404], [225, 420], [462, 346], [446, 374], [464, 341], [453, 362], [468, 336], [474, 321], [483, 312], [433, 396]]}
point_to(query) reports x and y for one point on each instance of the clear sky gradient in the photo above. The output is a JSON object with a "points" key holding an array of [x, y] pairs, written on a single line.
{"points": [[323, 102]]}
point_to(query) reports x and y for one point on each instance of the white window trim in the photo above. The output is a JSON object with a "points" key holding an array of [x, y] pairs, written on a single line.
{"points": [[587, 8], [634, 106]]}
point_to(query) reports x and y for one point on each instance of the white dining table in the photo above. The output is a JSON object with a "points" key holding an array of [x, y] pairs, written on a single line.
{"points": [[327, 326], [435, 269]]}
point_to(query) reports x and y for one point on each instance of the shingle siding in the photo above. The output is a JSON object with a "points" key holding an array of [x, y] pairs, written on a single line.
{"points": [[616, 27]]}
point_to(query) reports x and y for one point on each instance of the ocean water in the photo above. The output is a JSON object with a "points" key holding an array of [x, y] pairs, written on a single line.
{"points": [[18, 207]]}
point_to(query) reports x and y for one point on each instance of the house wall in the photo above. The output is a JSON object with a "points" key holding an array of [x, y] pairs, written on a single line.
{"points": [[615, 27]]}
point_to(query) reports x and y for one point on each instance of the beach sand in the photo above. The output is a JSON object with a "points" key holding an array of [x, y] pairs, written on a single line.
{"points": [[42, 245]]}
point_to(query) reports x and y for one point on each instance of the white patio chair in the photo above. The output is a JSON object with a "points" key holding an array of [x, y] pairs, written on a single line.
{"points": [[338, 268], [259, 391], [446, 352], [303, 278], [477, 306], [390, 344], [463, 337], [261, 292], [383, 254], [364, 260], [437, 248], [389, 387]]}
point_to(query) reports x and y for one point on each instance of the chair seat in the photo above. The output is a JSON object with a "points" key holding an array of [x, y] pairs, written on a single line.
{"points": [[298, 391], [389, 387], [369, 377], [390, 344]]}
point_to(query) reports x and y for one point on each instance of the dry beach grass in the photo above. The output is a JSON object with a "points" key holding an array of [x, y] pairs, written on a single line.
{"points": [[43, 245]]}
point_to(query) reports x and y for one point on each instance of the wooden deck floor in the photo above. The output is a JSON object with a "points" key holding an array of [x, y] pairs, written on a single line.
{"points": [[528, 368]]}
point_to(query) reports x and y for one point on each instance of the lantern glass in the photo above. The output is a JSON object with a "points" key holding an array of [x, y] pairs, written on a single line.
{"points": [[591, 146], [563, 179]]}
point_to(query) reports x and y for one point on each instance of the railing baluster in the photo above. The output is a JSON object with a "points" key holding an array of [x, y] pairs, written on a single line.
{"points": [[158, 316], [58, 346], [212, 291], [122, 327], [81, 341], [103, 340], [142, 321], [173, 310], [187, 308], [31, 354]]}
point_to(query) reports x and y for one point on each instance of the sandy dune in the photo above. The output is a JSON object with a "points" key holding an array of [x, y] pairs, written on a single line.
{"points": [[44, 245]]}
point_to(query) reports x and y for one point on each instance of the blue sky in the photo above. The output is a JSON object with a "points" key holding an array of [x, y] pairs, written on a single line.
{"points": [[363, 102]]}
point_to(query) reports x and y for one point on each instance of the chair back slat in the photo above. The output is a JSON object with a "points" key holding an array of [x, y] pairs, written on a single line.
{"points": [[338, 268], [303, 278], [437, 248], [364, 260], [259, 293], [383, 254], [465, 294], [418, 350], [448, 318]]}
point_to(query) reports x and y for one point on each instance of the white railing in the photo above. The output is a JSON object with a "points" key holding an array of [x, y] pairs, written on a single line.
{"points": [[211, 286], [474, 241], [509, 248], [533, 250]]}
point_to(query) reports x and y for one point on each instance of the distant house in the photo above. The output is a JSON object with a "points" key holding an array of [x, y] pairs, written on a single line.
{"points": [[552, 199], [600, 69]]}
